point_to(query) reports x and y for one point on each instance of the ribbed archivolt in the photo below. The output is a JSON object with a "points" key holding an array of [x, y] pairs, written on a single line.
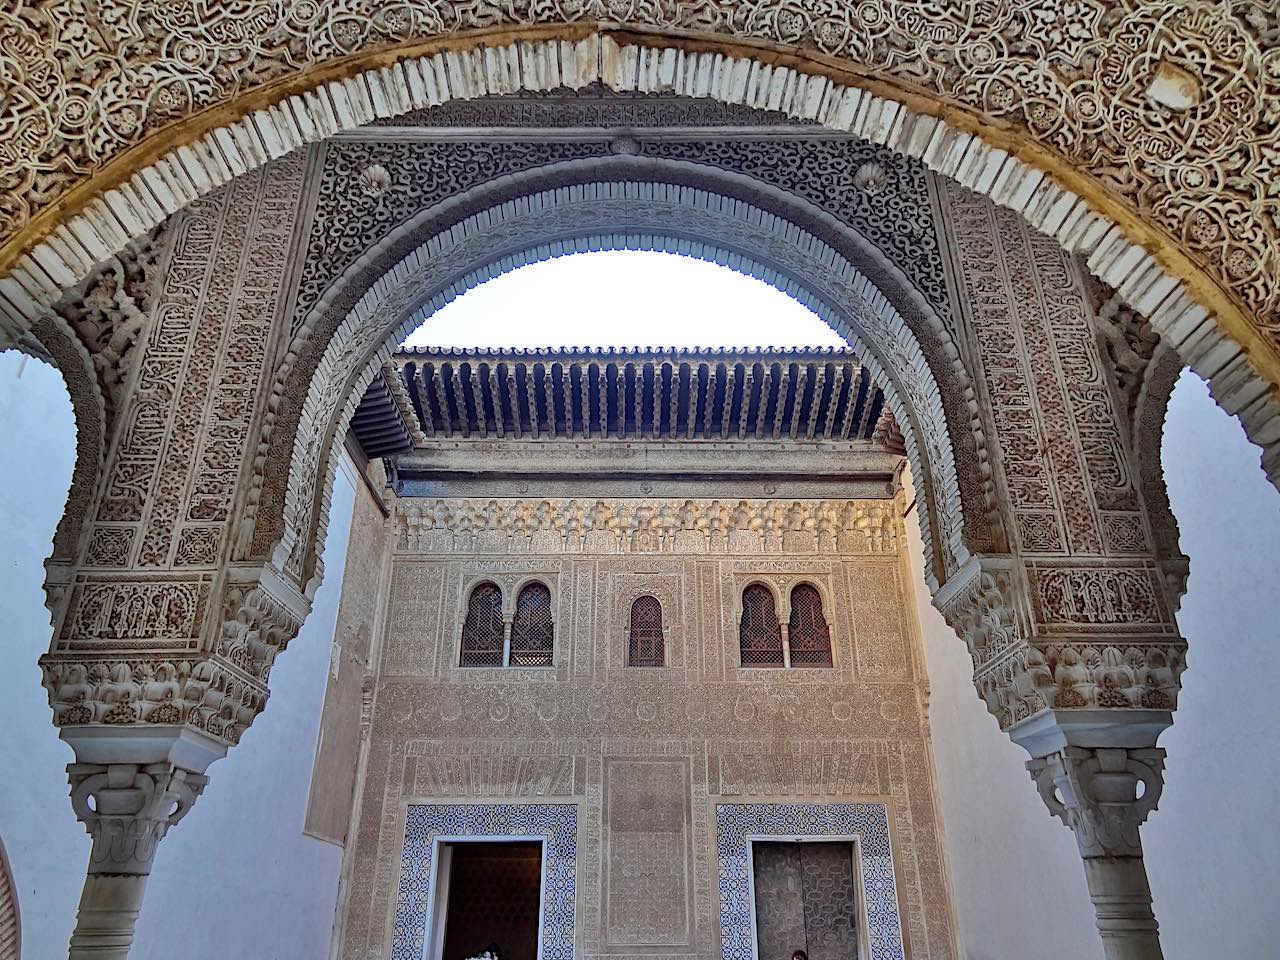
{"points": [[809, 395], [9, 932]]}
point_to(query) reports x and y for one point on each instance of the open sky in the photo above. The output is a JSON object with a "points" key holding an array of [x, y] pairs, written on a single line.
{"points": [[624, 299]]}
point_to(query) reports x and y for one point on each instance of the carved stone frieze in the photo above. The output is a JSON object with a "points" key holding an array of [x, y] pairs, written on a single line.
{"points": [[348, 222], [1095, 793], [132, 652], [257, 626], [200, 692], [1161, 375], [110, 310], [1129, 342], [897, 218], [1024, 632], [1088, 83], [745, 527], [69, 355]]}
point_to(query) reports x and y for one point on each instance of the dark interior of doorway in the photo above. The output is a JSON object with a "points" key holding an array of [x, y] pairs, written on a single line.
{"points": [[806, 899], [493, 897]]}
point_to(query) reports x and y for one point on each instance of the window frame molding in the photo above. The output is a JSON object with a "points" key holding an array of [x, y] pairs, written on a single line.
{"points": [[511, 602], [509, 587], [665, 631], [741, 609], [825, 601]]}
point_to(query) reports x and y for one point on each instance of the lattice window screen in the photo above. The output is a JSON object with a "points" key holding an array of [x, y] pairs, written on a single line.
{"points": [[759, 634], [645, 646], [807, 632], [532, 631], [482, 630]]}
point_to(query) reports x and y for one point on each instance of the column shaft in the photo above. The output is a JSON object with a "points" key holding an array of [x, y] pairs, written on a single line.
{"points": [[108, 912], [1122, 902]]}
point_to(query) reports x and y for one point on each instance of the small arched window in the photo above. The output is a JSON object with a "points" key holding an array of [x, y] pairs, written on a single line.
{"points": [[808, 635], [532, 631], [645, 644], [482, 629], [759, 634]]}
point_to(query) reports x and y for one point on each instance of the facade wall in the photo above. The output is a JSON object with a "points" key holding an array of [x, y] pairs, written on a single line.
{"points": [[644, 754]]}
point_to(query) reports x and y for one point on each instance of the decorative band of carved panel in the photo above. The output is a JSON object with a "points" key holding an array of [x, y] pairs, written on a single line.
{"points": [[746, 527]]}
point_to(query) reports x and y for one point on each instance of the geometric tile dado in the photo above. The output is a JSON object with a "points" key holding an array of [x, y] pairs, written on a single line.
{"points": [[556, 824], [737, 824]]}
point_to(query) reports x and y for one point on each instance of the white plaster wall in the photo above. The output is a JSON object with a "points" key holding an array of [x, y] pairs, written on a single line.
{"points": [[1213, 853], [1019, 886], [237, 878], [47, 847], [1213, 847]]}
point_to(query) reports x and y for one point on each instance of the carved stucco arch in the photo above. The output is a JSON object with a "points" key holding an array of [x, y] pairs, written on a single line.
{"points": [[624, 214], [775, 60], [264, 528], [68, 355], [1149, 421]]}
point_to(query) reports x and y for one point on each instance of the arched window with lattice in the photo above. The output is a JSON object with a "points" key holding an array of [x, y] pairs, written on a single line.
{"points": [[808, 635], [533, 631], [759, 634], [482, 629], [645, 644]]}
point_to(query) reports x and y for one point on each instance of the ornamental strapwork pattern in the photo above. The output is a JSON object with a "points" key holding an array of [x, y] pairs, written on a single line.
{"points": [[1170, 105]]}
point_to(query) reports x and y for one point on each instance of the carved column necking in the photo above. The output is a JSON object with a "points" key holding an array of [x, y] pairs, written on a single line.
{"points": [[127, 809], [1104, 795]]}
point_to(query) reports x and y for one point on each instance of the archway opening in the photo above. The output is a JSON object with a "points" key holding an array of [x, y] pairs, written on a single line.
{"points": [[623, 299]]}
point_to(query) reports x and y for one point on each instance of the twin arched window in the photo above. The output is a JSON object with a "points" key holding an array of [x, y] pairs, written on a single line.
{"points": [[807, 642], [646, 646], [486, 641]]}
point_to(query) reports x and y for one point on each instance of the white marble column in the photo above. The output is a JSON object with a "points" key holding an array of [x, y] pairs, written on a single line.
{"points": [[128, 786], [1104, 793]]}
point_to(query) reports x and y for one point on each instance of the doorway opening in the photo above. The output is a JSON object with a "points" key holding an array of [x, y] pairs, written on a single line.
{"points": [[488, 893], [806, 898]]}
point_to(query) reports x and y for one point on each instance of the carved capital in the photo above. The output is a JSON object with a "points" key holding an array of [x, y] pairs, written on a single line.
{"points": [[127, 808], [261, 613], [1094, 791], [1048, 636]]}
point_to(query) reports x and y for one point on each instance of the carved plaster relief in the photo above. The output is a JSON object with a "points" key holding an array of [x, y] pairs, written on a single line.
{"points": [[1106, 104], [644, 754]]}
